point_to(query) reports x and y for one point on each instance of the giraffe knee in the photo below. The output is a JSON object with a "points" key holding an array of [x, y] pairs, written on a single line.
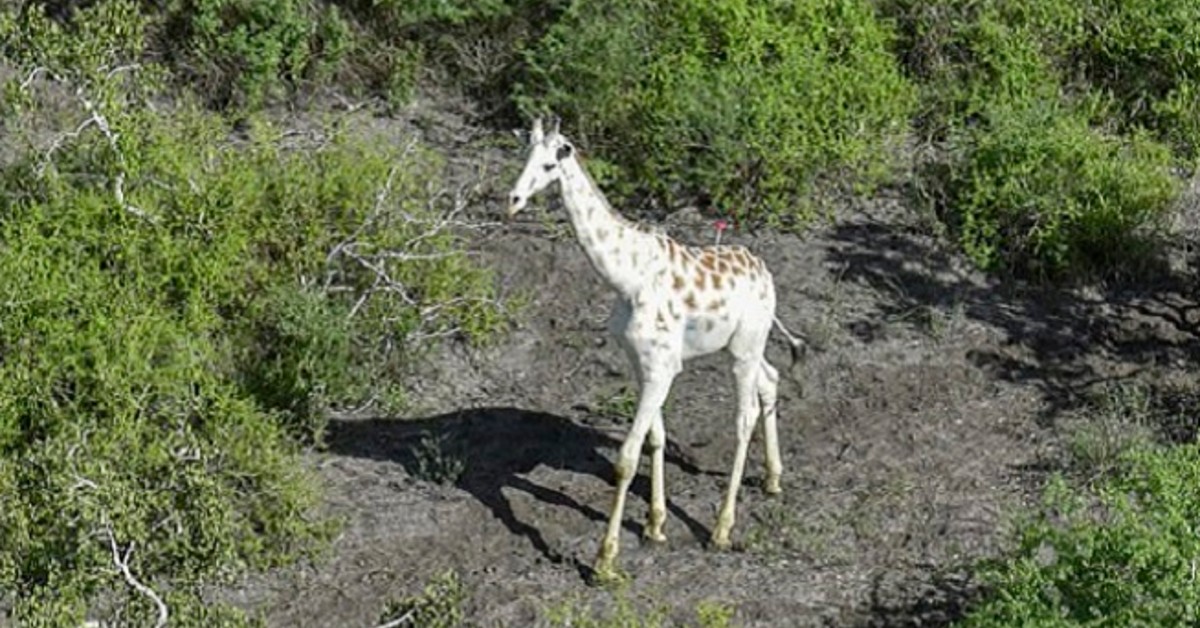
{"points": [[746, 424], [657, 438], [624, 468]]}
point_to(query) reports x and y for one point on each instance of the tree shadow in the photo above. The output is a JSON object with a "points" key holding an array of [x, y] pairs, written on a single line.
{"points": [[485, 450], [1056, 339]]}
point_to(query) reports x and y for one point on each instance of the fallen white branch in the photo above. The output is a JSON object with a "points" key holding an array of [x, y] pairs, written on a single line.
{"points": [[399, 621]]}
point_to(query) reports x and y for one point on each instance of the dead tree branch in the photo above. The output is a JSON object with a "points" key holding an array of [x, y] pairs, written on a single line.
{"points": [[97, 119], [122, 563]]}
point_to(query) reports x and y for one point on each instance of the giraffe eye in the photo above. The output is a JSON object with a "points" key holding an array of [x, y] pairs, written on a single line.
{"points": [[549, 167]]}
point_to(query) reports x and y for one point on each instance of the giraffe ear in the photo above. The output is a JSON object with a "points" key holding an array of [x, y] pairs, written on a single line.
{"points": [[564, 151]]}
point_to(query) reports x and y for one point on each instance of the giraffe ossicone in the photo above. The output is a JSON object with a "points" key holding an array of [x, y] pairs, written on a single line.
{"points": [[674, 302]]}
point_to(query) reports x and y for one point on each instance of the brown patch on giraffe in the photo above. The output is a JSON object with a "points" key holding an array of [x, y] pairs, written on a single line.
{"points": [[709, 325], [717, 282], [732, 283], [708, 261], [671, 250], [739, 270], [671, 309], [690, 301], [722, 267], [700, 280], [716, 305], [601, 235], [678, 285]]}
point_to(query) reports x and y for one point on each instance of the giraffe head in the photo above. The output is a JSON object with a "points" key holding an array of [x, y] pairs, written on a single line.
{"points": [[543, 167]]}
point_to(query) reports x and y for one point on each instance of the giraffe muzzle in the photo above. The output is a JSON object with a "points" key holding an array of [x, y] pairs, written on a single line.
{"points": [[516, 203]]}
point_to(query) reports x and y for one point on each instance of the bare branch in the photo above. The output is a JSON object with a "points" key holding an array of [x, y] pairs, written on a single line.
{"points": [[33, 76], [82, 482], [122, 563], [399, 621], [58, 143], [97, 119], [119, 182], [131, 67]]}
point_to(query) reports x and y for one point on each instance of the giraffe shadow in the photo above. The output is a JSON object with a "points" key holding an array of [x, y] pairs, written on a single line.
{"points": [[486, 450]]}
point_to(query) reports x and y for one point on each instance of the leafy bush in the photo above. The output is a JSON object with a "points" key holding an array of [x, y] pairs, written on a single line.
{"points": [[1053, 112], [245, 51], [471, 46], [746, 102], [97, 38], [1147, 55], [1140, 61], [1126, 558], [1038, 190], [177, 304], [969, 56]]}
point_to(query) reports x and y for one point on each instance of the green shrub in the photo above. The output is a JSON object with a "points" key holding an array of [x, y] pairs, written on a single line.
{"points": [[95, 38], [1147, 55], [1038, 190], [1141, 61], [245, 52], [1125, 558], [969, 56], [116, 421], [470, 46], [176, 306], [747, 102]]}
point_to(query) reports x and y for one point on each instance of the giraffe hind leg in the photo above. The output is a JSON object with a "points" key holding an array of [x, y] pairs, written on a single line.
{"points": [[746, 373], [768, 396]]}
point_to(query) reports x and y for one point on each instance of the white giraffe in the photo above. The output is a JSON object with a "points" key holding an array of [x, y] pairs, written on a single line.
{"points": [[674, 302]]}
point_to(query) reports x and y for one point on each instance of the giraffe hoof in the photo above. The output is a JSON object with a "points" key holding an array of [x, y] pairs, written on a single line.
{"points": [[606, 576], [720, 542], [657, 538], [773, 488]]}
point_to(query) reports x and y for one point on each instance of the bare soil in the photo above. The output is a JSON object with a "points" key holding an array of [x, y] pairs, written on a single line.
{"points": [[923, 421]]}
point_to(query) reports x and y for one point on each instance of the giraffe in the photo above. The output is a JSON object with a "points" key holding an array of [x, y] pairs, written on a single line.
{"points": [[674, 302]]}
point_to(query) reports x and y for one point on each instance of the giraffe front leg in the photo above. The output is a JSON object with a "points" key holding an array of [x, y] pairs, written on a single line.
{"points": [[658, 497], [654, 393]]}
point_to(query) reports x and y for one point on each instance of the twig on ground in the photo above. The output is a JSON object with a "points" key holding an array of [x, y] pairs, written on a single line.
{"points": [[399, 621]]}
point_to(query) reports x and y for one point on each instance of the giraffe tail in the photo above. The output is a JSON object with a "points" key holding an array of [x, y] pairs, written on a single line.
{"points": [[797, 342]]}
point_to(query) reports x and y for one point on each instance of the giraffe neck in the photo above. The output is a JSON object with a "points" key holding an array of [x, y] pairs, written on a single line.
{"points": [[618, 250]]}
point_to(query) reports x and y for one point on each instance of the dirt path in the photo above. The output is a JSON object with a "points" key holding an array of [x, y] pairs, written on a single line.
{"points": [[926, 417]]}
